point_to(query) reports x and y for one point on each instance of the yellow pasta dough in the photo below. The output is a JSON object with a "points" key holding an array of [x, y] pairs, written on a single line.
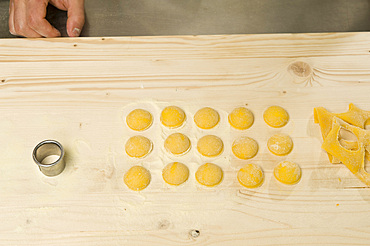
{"points": [[250, 176], [280, 144], [139, 120], [276, 116], [137, 178], [287, 172], [210, 146], [245, 148], [209, 174], [173, 117], [175, 173], [241, 118], [177, 144], [206, 118], [138, 146]]}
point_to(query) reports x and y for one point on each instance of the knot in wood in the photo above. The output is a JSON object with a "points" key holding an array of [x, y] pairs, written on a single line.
{"points": [[300, 69]]}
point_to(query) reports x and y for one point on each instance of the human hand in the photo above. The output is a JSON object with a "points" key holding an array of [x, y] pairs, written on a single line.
{"points": [[27, 17]]}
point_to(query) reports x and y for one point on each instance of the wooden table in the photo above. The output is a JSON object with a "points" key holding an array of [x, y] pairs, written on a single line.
{"points": [[78, 91]]}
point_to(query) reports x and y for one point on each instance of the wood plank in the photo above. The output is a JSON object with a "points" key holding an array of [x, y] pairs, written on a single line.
{"points": [[79, 91]]}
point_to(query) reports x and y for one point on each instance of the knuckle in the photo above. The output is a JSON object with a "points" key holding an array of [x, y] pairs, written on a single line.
{"points": [[32, 21]]}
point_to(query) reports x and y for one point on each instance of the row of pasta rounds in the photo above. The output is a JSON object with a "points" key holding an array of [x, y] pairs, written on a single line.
{"points": [[178, 144], [205, 118], [250, 175]]}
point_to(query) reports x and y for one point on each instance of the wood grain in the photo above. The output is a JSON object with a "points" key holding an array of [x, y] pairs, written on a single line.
{"points": [[78, 92]]}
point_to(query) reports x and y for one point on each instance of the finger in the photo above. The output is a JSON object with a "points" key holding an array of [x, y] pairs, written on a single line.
{"points": [[11, 17], [20, 25], [76, 17], [36, 13]]}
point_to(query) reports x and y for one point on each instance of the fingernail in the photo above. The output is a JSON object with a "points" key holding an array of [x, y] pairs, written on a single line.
{"points": [[76, 32]]}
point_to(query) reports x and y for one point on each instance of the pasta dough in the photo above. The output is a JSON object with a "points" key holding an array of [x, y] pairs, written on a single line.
{"points": [[139, 120], [250, 176], [241, 118], [353, 116], [209, 174], [287, 172], [175, 173], [245, 148], [173, 117], [354, 160], [138, 146], [137, 178], [206, 118], [351, 153], [276, 116], [210, 146], [280, 144], [177, 144]]}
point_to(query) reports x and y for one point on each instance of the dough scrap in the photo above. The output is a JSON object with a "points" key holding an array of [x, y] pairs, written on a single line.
{"points": [[177, 144], [250, 176], [353, 116], [173, 117], [241, 118], [137, 178], [206, 118], [351, 153], [276, 116], [138, 146], [354, 160], [175, 173], [209, 174], [245, 148], [287, 172], [139, 120], [210, 146], [280, 144]]}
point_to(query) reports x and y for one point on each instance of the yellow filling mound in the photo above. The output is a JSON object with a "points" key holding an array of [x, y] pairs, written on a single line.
{"points": [[138, 146], [280, 144], [209, 174], [245, 148], [206, 118], [287, 172], [250, 176], [175, 173], [276, 116], [137, 178], [210, 146], [139, 119], [173, 117], [241, 118], [177, 143]]}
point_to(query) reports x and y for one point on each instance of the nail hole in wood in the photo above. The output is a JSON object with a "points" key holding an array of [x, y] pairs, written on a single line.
{"points": [[102, 39], [3, 81], [75, 45], [284, 92], [194, 233]]}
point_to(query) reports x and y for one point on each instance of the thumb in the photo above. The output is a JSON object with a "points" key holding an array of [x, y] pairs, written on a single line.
{"points": [[76, 17]]}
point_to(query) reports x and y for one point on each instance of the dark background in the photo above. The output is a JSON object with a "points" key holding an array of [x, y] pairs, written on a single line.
{"points": [[194, 17]]}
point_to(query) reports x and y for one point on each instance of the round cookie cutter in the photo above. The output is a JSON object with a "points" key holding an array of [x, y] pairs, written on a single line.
{"points": [[49, 156]]}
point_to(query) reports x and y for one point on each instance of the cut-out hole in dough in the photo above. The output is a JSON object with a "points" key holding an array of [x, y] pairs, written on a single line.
{"points": [[348, 140]]}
